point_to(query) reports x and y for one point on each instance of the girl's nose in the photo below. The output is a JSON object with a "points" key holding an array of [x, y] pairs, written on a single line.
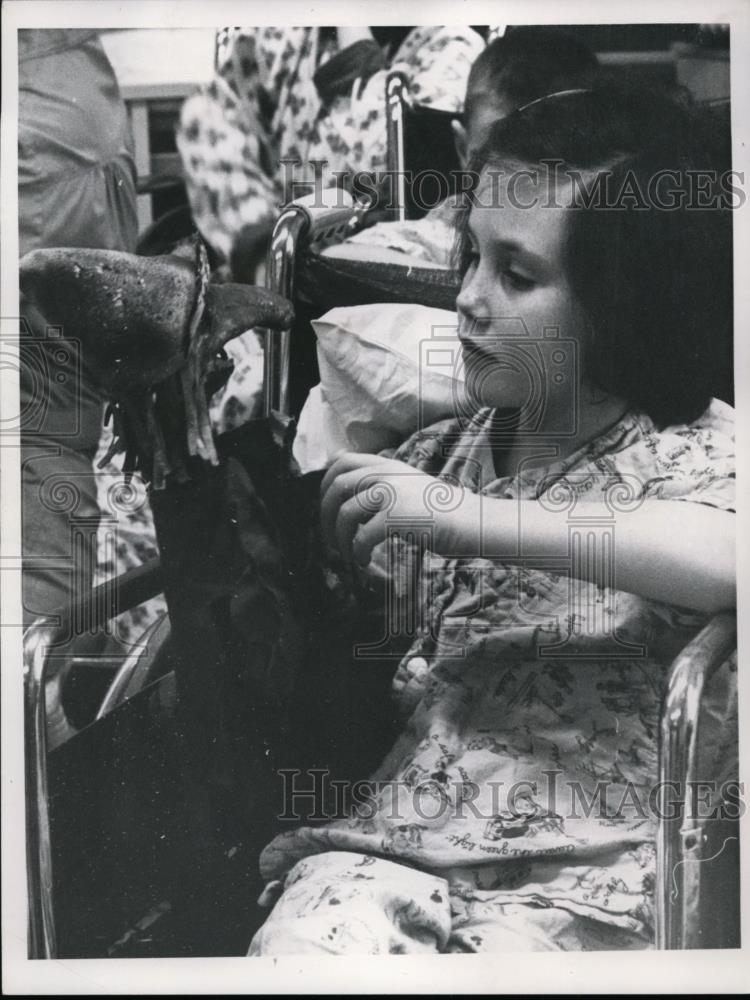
{"points": [[469, 298]]}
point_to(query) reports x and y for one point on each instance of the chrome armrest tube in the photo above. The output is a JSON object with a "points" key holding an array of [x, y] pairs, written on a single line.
{"points": [[318, 218], [680, 838], [104, 602], [42, 941], [290, 226], [396, 89]]}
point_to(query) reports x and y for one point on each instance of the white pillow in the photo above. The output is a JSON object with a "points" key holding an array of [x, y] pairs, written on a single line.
{"points": [[386, 371]]}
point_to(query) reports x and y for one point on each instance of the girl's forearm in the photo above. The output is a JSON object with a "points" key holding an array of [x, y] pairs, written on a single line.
{"points": [[674, 551]]}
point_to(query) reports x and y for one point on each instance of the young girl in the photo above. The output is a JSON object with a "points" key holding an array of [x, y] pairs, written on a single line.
{"points": [[515, 810], [537, 682]]}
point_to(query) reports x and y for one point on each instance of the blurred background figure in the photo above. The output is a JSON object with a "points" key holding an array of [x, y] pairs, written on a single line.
{"points": [[301, 95], [76, 187], [76, 176]]}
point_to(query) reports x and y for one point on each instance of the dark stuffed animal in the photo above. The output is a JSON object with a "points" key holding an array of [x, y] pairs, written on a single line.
{"points": [[264, 662]]}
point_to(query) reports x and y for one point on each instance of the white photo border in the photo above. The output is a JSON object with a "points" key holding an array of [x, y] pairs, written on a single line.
{"points": [[649, 972]]}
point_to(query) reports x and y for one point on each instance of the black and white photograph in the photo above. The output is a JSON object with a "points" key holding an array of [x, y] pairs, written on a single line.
{"points": [[370, 525]]}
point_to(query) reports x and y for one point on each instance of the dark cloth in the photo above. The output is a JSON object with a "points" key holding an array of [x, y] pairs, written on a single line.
{"points": [[358, 61]]}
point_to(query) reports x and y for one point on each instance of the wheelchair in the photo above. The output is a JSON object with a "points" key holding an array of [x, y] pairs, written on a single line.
{"points": [[109, 830]]}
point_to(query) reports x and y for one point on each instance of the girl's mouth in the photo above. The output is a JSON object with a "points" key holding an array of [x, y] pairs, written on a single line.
{"points": [[481, 362], [474, 354], [471, 350]]}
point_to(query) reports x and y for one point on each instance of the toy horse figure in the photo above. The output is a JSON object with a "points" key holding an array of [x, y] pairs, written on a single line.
{"points": [[232, 516], [152, 330]]}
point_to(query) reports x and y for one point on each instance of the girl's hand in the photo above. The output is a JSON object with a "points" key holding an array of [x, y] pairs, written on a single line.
{"points": [[364, 495]]}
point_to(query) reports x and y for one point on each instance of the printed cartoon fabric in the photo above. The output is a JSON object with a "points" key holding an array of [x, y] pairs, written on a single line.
{"points": [[521, 675], [263, 108], [343, 903]]}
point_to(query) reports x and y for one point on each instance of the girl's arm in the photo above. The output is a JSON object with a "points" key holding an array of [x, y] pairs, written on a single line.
{"points": [[668, 550]]}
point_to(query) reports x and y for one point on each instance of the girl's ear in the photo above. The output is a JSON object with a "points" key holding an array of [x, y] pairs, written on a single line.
{"points": [[459, 139]]}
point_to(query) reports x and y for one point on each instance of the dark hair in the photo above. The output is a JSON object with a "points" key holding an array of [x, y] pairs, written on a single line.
{"points": [[654, 281], [527, 63]]}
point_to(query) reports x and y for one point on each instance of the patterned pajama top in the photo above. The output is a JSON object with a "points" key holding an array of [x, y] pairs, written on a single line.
{"points": [[525, 768]]}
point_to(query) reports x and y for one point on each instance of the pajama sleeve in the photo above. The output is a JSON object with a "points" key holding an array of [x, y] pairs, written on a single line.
{"points": [[696, 462]]}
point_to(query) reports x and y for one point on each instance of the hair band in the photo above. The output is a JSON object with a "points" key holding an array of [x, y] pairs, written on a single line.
{"points": [[558, 93]]}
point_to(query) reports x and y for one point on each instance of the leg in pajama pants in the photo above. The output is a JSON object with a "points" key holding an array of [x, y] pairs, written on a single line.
{"points": [[345, 903], [355, 904]]}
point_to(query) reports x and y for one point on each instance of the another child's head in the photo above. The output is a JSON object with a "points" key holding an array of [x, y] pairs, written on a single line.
{"points": [[605, 215], [524, 64]]}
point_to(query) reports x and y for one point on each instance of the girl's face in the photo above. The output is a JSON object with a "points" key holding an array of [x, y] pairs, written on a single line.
{"points": [[519, 323]]}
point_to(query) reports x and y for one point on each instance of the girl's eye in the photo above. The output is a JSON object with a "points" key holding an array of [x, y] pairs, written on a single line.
{"points": [[518, 282], [471, 258]]}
